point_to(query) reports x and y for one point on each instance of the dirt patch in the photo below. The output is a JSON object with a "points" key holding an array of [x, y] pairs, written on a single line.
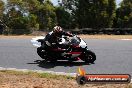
{"points": [[11, 80], [106, 36], [20, 36]]}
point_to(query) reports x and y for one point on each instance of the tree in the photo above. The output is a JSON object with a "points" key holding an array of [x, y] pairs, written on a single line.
{"points": [[17, 23], [111, 12], [41, 1], [46, 16], [1, 9], [29, 15], [15, 19], [91, 13], [44, 11], [32, 5], [70, 7], [1, 16], [124, 14], [18, 18], [63, 18]]}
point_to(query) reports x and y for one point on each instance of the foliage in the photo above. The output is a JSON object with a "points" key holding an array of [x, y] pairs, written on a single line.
{"points": [[63, 18], [92, 13], [1, 16], [46, 16], [14, 18], [124, 14], [25, 16], [17, 23], [1, 9]]}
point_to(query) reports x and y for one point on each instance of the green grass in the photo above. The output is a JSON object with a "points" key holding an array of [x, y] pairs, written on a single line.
{"points": [[35, 74]]}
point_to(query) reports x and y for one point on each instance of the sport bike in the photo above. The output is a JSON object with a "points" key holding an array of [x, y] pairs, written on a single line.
{"points": [[68, 48]]}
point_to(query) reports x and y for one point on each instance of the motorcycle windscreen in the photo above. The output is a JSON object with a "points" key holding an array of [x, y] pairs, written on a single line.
{"points": [[75, 41]]}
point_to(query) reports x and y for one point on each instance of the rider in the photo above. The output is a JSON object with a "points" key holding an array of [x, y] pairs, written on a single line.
{"points": [[52, 37]]}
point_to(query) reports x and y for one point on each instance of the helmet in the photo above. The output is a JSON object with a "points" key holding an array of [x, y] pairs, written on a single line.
{"points": [[57, 29]]}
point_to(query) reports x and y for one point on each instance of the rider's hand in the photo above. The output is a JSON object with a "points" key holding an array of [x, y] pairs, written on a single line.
{"points": [[69, 34]]}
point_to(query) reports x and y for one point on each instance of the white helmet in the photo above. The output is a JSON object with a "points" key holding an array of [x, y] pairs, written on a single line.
{"points": [[57, 29]]}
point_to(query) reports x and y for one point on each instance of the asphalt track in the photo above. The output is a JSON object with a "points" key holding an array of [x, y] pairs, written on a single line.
{"points": [[113, 56]]}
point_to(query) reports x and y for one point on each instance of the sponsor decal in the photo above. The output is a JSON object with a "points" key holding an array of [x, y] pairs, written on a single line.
{"points": [[83, 78]]}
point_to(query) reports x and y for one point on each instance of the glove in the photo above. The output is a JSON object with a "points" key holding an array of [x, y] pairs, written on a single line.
{"points": [[69, 34]]}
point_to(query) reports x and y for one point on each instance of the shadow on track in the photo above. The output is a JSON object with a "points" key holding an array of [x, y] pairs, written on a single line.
{"points": [[47, 65]]}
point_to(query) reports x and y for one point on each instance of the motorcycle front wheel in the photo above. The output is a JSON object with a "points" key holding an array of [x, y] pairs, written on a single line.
{"points": [[41, 52], [89, 56]]}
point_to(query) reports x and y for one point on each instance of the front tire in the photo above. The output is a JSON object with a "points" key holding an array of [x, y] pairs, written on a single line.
{"points": [[89, 56], [41, 52]]}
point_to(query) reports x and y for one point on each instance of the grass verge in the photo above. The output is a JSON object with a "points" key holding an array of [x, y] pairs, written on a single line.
{"points": [[30, 79], [36, 74]]}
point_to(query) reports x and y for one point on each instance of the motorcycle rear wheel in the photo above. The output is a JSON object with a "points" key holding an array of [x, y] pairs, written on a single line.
{"points": [[43, 54]]}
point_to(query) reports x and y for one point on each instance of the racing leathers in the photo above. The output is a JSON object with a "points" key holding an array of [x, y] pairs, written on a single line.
{"points": [[52, 38]]}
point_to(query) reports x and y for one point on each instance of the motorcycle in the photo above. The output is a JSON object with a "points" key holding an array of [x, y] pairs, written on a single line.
{"points": [[68, 48]]}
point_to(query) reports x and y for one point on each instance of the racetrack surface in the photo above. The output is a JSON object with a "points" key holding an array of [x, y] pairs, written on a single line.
{"points": [[113, 56]]}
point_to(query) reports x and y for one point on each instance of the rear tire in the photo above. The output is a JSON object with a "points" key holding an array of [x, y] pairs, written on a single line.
{"points": [[89, 57], [43, 54]]}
